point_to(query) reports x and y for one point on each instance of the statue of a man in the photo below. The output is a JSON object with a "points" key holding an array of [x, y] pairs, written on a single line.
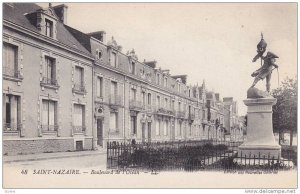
{"points": [[265, 71]]}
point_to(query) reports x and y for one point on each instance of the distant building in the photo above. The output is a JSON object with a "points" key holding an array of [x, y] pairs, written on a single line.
{"points": [[232, 122], [65, 90]]}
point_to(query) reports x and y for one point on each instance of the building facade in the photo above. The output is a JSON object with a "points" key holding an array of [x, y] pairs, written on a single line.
{"points": [[65, 90]]}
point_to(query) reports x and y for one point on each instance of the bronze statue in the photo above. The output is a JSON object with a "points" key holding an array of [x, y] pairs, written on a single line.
{"points": [[265, 71]]}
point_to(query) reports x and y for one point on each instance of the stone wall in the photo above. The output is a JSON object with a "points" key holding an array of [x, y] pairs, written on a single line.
{"points": [[14, 147]]}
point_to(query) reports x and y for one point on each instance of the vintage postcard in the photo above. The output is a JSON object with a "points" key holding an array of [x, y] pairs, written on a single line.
{"points": [[149, 95]]}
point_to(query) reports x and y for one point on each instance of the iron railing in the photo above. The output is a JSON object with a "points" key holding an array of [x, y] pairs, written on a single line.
{"points": [[48, 128], [180, 114], [165, 111], [79, 129], [11, 72], [12, 126], [49, 81], [190, 156], [135, 105], [115, 100], [79, 88]]}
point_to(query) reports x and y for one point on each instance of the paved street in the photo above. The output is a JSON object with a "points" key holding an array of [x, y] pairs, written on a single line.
{"points": [[80, 162]]}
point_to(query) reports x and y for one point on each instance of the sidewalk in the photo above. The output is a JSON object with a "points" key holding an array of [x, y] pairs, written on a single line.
{"points": [[47, 156]]}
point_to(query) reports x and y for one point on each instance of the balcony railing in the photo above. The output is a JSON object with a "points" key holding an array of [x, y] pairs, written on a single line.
{"points": [[12, 127], [11, 72], [115, 100], [79, 88], [192, 116], [79, 129], [150, 108], [180, 114], [165, 111], [135, 105], [49, 128], [49, 81]]}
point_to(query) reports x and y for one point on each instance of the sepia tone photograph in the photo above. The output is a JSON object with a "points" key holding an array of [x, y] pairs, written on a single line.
{"points": [[149, 95]]}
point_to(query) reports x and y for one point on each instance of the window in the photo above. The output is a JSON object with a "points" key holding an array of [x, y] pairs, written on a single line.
{"points": [[99, 54], [178, 87], [173, 105], [132, 68], [149, 98], [12, 114], [133, 124], [49, 71], [79, 79], [49, 28], [113, 59], [190, 129], [79, 118], [166, 127], [99, 86], [158, 101], [166, 82], [113, 92], [143, 98], [180, 128], [157, 127], [179, 106], [113, 121], [133, 94], [10, 60], [49, 115], [166, 103], [158, 79]]}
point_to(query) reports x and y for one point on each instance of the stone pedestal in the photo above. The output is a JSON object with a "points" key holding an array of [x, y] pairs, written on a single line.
{"points": [[260, 138]]}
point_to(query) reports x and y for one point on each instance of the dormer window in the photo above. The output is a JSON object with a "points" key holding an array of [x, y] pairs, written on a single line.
{"points": [[178, 87], [132, 68], [113, 59], [49, 28], [158, 79], [99, 55], [166, 82]]}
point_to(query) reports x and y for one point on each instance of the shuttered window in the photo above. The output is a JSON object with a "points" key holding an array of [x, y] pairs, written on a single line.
{"points": [[48, 115]]}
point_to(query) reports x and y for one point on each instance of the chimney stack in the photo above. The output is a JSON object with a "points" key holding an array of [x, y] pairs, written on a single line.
{"points": [[61, 11], [99, 35]]}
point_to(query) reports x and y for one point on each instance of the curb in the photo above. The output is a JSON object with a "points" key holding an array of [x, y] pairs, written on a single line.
{"points": [[49, 158]]}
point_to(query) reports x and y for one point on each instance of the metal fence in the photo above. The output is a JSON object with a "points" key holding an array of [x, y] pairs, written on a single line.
{"points": [[188, 156]]}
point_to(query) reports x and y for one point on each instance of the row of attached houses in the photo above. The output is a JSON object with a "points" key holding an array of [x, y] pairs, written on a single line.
{"points": [[65, 90]]}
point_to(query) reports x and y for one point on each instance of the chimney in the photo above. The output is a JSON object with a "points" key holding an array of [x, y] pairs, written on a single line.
{"points": [[151, 64], [217, 96], [167, 71], [61, 11], [99, 35]]}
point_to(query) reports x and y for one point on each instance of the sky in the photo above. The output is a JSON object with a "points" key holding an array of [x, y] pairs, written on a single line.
{"points": [[215, 42]]}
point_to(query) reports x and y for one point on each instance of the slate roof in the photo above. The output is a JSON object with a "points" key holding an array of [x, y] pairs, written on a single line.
{"points": [[83, 38], [16, 14]]}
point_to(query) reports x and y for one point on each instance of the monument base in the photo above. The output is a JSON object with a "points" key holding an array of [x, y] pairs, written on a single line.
{"points": [[260, 151], [260, 138]]}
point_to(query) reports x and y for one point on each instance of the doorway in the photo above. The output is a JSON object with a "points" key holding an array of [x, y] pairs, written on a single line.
{"points": [[172, 131], [143, 132], [149, 132], [99, 132]]}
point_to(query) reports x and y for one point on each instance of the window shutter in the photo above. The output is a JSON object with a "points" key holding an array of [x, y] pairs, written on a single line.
{"points": [[45, 112], [98, 85], [51, 113]]}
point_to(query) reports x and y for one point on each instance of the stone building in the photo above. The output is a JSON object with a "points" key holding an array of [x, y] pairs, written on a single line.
{"points": [[46, 83], [232, 123], [65, 90]]}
